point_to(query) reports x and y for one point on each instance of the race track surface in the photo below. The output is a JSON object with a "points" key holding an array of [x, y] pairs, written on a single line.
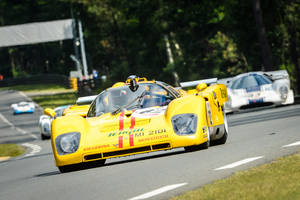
{"points": [[255, 138]]}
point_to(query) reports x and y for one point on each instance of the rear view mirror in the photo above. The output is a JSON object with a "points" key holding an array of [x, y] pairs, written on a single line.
{"points": [[50, 112]]}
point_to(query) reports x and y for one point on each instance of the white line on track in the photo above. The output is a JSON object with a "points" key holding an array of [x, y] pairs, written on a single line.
{"points": [[35, 149], [293, 144], [158, 191], [17, 129], [238, 163], [5, 120]]}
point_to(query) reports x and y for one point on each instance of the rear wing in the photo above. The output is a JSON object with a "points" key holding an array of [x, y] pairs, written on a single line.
{"points": [[225, 81], [195, 83], [276, 75], [85, 100]]}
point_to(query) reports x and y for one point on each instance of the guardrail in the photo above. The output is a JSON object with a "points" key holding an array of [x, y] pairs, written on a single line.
{"points": [[36, 79]]}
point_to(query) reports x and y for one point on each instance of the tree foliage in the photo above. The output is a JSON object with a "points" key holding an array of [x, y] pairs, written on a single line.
{"points": [[123, 37]]}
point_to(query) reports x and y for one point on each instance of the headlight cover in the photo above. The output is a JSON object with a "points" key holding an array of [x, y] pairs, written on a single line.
{"points": [[184, 124], [67, 143], [283, 90]]}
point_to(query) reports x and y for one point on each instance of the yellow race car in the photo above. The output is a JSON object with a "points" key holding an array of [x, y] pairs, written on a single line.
{"points": [[140, 116]]}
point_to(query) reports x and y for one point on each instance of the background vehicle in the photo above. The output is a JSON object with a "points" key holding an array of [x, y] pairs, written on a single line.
{"points": [[258, 89], [140, 116], [23, 107]]}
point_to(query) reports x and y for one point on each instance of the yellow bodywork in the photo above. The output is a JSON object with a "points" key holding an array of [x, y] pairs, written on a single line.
{"points": [[76, 110], [126, 133]]}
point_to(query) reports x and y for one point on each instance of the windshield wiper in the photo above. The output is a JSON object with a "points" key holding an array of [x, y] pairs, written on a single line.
{"points": [[131, 102]]}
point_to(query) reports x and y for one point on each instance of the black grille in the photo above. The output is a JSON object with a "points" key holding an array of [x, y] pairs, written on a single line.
{"points": [[127, 151], [93, 156], [256, 105], [161, 146]]}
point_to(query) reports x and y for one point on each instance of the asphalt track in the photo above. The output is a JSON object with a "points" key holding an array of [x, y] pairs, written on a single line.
{"points": [[255, 138]]}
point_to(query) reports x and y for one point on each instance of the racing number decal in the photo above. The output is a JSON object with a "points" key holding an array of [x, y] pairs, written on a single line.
{"points": [[223, 93]]}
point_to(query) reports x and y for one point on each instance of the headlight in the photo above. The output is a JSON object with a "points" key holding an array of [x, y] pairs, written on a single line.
{"points": [[184, 124], [283, 90], [67, 143]]}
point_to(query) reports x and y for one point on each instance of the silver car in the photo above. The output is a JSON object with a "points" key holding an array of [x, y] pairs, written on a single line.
{"points": [[258, 89]]}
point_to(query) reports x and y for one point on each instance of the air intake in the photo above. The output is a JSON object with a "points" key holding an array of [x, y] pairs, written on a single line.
{"points": [[161, 146], [127, 151], [93, 156]]}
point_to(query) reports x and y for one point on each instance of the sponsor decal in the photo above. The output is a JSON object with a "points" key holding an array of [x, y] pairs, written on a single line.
{"points": [[223, 93], [96, 147], [137, 132], [158, 137], [150, 112], [158, 131]]}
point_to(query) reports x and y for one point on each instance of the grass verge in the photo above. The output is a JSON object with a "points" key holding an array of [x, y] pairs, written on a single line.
{"points": [[11, 150], [47, 95], [277, 180], [53, 101]]}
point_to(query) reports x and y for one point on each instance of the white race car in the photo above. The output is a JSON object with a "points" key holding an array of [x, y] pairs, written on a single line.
{"points": [[258, 89], [45, 122], [23, 107]]}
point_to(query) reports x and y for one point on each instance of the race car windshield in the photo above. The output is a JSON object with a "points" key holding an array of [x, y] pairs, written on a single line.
{"points": [[250, 81], [122, 98]]}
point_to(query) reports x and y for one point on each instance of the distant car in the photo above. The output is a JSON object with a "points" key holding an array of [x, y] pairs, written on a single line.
{"points": [[258, 89], [23, 107], [45, 122]]}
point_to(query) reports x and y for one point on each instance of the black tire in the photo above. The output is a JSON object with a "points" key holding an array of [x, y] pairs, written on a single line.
{"points": [[44, 137], [222, 140], [202, 146], [94, 164]]}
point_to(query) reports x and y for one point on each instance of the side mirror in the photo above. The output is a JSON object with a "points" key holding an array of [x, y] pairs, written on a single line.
{"points": [[50, 112], [201, 86]]}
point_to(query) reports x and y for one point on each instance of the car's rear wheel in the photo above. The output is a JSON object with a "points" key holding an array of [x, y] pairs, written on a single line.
{"points": [[223, 139]]}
